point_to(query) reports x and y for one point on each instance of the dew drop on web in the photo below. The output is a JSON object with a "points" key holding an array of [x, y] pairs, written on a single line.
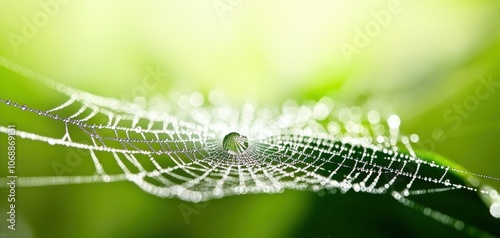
{"points": [[138, 129], [235, 143], [447, 182]]}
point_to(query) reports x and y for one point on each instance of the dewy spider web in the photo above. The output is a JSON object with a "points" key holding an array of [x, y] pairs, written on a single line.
{"points": [[181, 153]]}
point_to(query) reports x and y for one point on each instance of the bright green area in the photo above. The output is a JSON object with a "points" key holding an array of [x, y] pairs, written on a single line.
{"points": [[435, 64]]}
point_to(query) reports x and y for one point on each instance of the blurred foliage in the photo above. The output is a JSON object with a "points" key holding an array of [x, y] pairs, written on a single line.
{"points": [[425, 58]]}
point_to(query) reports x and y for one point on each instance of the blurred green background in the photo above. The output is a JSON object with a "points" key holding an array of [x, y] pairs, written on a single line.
{"points": [[423, 60]]}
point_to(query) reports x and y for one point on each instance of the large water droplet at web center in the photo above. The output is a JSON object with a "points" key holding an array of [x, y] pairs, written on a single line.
{"points": [[235, 143]]}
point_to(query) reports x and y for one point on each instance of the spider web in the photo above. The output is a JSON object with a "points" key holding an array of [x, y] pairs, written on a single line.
{"points": [[314, 146]]}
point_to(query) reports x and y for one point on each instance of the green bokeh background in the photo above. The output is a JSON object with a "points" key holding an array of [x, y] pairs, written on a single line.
{"points": [[420, 61]]}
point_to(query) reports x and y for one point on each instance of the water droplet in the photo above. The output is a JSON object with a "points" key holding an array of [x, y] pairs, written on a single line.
{"points": [[447, 182], [24, 107], [138, 129], [427, 211], [7, 102], [414, 138], [494, 194], [235, 143], [394, 121], [495, 210]]}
